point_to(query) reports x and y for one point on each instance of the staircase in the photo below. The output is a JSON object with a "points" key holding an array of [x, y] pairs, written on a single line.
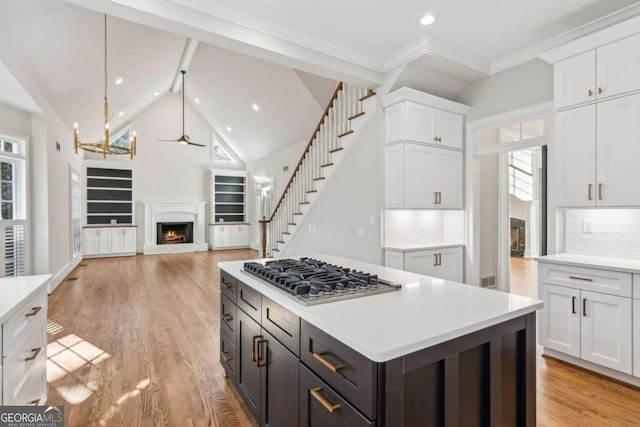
{"points": [[340, 124]]}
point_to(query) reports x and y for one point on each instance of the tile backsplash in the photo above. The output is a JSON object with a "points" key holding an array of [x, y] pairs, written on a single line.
{"points": [[408, 227], [602, 232]]}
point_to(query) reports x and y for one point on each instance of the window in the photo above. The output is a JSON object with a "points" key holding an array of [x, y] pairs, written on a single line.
{"points": [[13, 214], [517, 132], [76, 215]]}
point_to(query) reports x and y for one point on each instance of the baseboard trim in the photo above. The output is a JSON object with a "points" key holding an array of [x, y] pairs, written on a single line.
{"points": [[62, 274]]}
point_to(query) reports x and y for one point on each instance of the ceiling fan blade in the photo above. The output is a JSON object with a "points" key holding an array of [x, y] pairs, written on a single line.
{"points": [[193, 143]]}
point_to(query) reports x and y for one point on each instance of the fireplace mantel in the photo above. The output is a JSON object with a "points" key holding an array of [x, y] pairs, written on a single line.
{"points": [[155, 212]]}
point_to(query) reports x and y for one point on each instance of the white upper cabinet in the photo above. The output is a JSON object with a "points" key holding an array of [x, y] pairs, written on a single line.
{"points": [[609, 70], [419, 124], [448, 130], [448, 179], [394, 176], [574, 80], [419, 176]]}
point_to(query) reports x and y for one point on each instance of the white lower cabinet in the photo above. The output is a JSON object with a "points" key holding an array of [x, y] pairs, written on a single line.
{"points": [[593, 326], [229, 236], [443, 263], [636, 336], [108, 241]]}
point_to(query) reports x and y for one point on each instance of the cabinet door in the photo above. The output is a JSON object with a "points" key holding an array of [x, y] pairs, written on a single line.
{"points": [[394, 176], [560, 319], [394, 123], [574, 80], [130, 239], [448, 177], [575, 157], [421, 262], [419, 122], [221, 236], [618, 67], [606, 330], [104, 241], [450, 264], [618, 152], [280, 378], [419, 190], [123, 240], [90, 241], [394, 259], [239, 235], [448, 129], [248, 374], [636, 337]]}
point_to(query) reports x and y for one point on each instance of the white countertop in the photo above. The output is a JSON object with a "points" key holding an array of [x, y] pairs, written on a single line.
{"points": [[14, 290], [425, 312], [621, 264], [422, 246]]}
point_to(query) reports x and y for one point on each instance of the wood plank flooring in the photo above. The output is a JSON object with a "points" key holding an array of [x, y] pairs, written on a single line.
{"points": [[134, 342]]}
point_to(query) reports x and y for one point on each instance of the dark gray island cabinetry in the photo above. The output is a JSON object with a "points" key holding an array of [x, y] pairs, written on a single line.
{"points": [[435, 353]]}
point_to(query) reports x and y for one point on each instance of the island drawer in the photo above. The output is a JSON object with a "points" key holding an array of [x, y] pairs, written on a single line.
{"points": [[28, 314], [282, 324], [321, 406], [228, 285], [228, 315], [250, 301], [354, 376], [589, 279], [228, 356]]}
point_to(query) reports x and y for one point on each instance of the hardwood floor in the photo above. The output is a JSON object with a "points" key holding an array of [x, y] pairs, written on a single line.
{"points": [[133, 341]]}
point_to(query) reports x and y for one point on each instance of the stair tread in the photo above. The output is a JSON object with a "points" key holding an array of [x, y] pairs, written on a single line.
{"points": [[355, 116], [367, 96], [336, 149], [349, 132], [281, 241], [326, 165]]}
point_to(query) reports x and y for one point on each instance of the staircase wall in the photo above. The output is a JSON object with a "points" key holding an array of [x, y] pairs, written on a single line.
{"points": [[352, 195]]}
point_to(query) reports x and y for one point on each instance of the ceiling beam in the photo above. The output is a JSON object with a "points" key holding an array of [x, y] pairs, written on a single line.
{"points": [[188, 54]]}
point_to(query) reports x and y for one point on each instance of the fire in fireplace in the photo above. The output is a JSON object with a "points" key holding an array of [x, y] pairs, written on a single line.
{"points": [[175, 232]]}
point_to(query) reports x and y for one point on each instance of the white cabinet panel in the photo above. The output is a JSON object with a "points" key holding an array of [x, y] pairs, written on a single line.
{"points": [[229, 236], [450, 264], [221, 236], [575, 157], [394, 123], [96, 241], [636, 338], [618, 67], [394, 259], [419, 122], [108, 241], [636, 286], [618, 152], [449, 175], [419, 176], [448, 129], [560, 319], [123, 240], [239, 235], [574, 80], [590, 279], [394, 176], [420, 262], [443, 263], [606, 331]]}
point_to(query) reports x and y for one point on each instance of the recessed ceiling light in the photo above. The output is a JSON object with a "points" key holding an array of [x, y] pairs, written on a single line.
{"points": [[121, 113], [229, 129], [428, 19], [119, 80], [255, 107], [197, 100], [156, 93]]}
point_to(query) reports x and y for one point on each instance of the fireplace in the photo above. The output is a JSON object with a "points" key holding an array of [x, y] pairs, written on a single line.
{"points": [[172, 213], [170, 233], [517, 242]]}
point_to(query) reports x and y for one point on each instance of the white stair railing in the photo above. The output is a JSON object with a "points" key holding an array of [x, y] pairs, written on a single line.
{"points": [[313, 167]]}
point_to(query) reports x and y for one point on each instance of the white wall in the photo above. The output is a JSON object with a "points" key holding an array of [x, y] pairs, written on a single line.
{"points": [[424, 80], [488, 215], [527, 84], [351, 195], [14, 120]]}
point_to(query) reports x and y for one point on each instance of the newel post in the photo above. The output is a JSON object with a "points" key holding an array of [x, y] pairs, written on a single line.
{"points": [[263, 237]]}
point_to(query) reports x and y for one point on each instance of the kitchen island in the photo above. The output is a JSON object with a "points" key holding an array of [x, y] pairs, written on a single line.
{"points": [[434, 352]]}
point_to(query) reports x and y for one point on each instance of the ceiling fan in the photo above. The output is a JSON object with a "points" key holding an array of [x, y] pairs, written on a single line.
{"points": [[184, 139]]}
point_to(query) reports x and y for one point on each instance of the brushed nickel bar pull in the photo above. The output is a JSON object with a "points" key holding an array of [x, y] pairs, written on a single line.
{"points": [[224, 356], [261, 361], [584, 307], [325, 362], [435, 260], [227, 317], [229, 286], [600, 185], [435, 198], [439, 198], [35, 351], [253, 348], [584, 279], [573, 305], [315, 392], [590, 192], [33, 312]]}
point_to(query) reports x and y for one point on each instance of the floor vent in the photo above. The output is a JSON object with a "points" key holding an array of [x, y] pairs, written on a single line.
{"points": [[72, 278], [489, 282], [82, 265]]}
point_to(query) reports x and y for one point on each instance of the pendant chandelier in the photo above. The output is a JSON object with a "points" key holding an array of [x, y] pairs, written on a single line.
{"points": [[120, 146]]}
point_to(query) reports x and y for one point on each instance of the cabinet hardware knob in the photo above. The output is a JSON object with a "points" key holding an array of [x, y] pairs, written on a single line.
{"points": [[584, 279], [261, 359], [227, 285], [254, 354], [590, 92], [573, 305], [35, 351], [600, 89], [325, 362], [315, 392], [435, 138], [590, 192], [600, 186], [584, 307], [224, 356], [34, 311], [227, 317]]}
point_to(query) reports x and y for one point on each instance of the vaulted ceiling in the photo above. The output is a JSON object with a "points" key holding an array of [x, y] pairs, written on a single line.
{"points": [[268, 52]]}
